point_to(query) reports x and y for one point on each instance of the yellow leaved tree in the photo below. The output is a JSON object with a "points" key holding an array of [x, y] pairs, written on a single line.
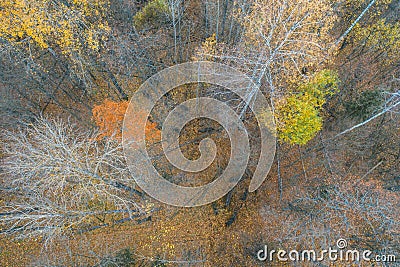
{"points": [[71, 28], [298, 115], [67, 24]]}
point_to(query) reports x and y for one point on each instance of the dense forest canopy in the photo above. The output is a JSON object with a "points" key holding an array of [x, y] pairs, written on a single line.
{"points": [[329, 69]]}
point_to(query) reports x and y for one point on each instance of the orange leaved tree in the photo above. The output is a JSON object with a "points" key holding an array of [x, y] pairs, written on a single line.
{"points": [[109, 116]]}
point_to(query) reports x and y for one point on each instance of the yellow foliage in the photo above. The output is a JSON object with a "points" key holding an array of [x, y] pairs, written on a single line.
{"points": [[352, 8], [207, 50], [68, 25], [298, 115], [380, 36], [152, 14], [298, 120]]}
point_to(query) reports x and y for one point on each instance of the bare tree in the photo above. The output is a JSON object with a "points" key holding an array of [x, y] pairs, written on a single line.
{"points": [[390, 105], [280, 39], [60, 178]]}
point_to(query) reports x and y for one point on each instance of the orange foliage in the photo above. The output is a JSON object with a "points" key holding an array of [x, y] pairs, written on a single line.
{"points": [[109, 116]]}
